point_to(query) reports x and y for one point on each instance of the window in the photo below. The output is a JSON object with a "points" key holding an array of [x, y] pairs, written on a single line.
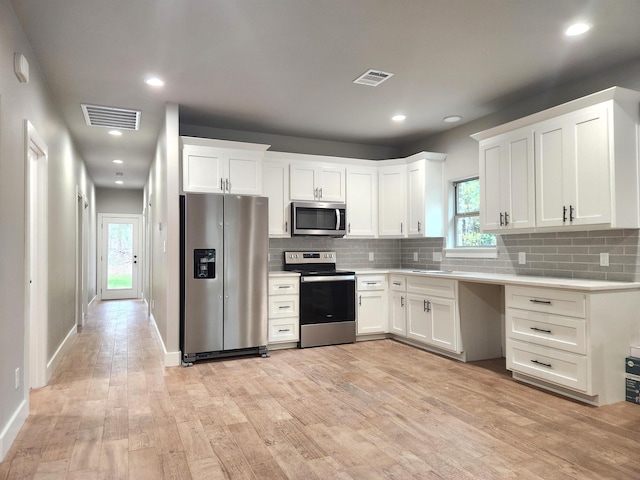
{"points": [[467, 216]]}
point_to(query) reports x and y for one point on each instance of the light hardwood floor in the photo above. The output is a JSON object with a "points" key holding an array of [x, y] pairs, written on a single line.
{"points": [[371, 410]]}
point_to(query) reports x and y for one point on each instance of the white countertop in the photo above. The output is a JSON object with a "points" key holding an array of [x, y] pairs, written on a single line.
{"points": [[282, 273], [509, 279]]}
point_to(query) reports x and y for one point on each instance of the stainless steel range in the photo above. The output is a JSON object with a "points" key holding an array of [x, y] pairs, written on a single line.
{"points": [[327, 299]]}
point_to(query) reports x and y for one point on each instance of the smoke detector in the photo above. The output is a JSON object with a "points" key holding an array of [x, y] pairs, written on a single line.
{"points": [[373, 78], [111, 117]]}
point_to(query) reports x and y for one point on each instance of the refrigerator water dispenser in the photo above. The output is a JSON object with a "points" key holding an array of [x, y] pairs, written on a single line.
{"points": [[204, 263]]}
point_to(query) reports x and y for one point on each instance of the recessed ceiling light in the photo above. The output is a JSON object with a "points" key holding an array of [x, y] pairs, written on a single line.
{"points": [[577, 29], [115, 133], [452, 118], [119, 182], [154, 82], [399, 118], [118, 161]]}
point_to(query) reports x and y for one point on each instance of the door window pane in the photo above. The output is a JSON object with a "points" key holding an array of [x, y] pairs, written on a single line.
{"points": [[120, 256]]}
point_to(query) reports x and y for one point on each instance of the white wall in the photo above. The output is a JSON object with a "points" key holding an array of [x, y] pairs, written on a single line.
{"points": [[20, 102], [119, 200], [162, 193]]}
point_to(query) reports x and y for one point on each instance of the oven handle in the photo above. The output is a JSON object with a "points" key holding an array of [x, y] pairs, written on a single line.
{"points": [[332, 278], [337, 219]]}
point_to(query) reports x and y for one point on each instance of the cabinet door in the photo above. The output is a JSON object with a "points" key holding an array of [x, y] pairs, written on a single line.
{"points": [[416, 198], [331, 183], [302, 182], [418, 319], [573, 163], [444, 324], [590, 188], [202, 169], [372, 312], [276, 187], [244, 172], [507, 198], [362, 202], [398, 316], [392, 204]]}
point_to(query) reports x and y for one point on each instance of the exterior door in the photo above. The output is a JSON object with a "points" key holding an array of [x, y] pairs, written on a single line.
{"points": [[120, 256]]}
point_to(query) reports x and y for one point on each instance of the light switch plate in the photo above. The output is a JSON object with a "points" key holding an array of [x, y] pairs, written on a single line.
{"points": [[371, 256], [415, 256], [604, 259], [437, 256], [522, 258]]}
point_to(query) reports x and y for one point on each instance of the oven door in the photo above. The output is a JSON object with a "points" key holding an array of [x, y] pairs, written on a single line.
{"points": [[327, 299]]}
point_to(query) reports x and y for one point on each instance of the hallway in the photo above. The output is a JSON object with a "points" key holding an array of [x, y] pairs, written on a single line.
{"points": [[370, 410]]}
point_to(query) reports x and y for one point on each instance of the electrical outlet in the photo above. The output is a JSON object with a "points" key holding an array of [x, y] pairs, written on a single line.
{"points": [[522, 258], [17, 378], [604, 259], [415, 256], [437, 256], [371, 256]]}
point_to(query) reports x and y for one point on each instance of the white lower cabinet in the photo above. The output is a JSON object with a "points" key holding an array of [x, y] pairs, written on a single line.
{"points": [[570, 342], [398, 305], [432, 314], [284, 309], [371, 316]]}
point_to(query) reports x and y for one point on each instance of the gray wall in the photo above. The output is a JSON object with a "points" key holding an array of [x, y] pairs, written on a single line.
{"points": [[283, 143], [66, 170], [119, 200]]}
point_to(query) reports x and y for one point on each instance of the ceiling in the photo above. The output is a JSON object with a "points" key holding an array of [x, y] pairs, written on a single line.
{"points": [[287, 66]]}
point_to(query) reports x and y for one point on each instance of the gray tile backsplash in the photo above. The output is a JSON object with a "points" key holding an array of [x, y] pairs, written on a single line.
{"points": [[561, 254]]}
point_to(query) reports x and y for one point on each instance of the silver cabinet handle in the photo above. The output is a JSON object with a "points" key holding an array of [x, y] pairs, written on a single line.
{"points": [[284, 307], [284, 330], [284, 286], [400, 228], [397, 284], [372, 283], [402, 301], [360, 300], [286, 226], [506, 219], [349, 227], [536, 329], [543, 302], [228, 185], [418, 227], [501, 220], [427, 305], [538, 362], [222, 185], [320, 196]]}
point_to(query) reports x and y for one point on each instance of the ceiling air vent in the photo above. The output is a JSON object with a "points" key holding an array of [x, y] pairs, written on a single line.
{"points": [[373, 78], [111, 117]]}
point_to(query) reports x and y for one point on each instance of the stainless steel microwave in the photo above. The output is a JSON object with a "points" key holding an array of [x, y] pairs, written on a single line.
{"points": [[319, 218]]}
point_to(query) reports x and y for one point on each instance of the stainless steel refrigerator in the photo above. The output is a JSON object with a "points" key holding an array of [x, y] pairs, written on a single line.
{"points": [[224, 275]]}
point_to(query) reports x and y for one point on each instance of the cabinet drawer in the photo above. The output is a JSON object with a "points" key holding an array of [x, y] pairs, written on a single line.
{"points": [[562, 368], [284, 285], [371, 282], [283, 330], [545, 300], [281, 306], [428, 286], [398, 284], [563, 333]]}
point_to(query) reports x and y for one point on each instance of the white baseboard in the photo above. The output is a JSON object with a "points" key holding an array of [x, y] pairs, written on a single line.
{"points": [[171, 359], [61, 351], [92, 302], [11, 430]]}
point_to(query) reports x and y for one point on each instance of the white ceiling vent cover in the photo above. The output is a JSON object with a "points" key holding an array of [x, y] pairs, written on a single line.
{"points": [[111, 117], [373, 78]]}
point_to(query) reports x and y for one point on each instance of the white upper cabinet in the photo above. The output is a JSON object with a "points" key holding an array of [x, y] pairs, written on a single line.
{"points": [[585, 160], [217, 166], [310, 181], [425, 191], [507, 182], [392, 201], [362, 201], [276, 187]]}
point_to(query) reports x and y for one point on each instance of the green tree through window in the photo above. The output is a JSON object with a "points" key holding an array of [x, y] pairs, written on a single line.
{"points": [[467, 216]]}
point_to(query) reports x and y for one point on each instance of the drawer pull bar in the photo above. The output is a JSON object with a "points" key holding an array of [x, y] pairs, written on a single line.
{"points": [[372, 283], [538, 362], [282, 330], [284, 286], [544, 302], [284, 306], [397, 284], [540, 330]]}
